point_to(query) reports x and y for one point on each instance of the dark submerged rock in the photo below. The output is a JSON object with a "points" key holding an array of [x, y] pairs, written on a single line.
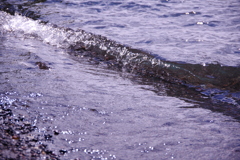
{"points": [[42, 65]]}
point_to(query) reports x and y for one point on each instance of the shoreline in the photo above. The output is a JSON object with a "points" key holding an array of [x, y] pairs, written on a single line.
{"points": [[17, 140]]}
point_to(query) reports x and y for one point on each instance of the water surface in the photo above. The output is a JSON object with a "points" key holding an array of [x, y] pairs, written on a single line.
{"points": [[100, 109]]}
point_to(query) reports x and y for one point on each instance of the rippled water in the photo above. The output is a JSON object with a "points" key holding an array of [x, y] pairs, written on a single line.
{"points": [[103, 113], [189, 31]]}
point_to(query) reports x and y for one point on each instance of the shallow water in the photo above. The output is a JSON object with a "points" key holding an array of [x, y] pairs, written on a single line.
{"points": [[103, 113]]}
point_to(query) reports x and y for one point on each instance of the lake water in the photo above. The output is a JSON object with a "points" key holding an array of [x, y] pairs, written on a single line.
{"points": [[164, 84]]}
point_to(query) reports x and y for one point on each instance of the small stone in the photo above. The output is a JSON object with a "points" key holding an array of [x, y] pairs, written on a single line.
{"points": [[42, 65]]}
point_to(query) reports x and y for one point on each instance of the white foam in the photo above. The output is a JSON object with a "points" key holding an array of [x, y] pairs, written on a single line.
{"points": [[46, 32]]}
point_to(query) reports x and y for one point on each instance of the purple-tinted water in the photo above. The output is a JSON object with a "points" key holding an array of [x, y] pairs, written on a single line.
{"points": [[101, 113]]}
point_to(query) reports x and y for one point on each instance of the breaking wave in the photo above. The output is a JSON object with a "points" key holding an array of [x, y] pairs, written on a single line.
{"points": [[209, 79]]}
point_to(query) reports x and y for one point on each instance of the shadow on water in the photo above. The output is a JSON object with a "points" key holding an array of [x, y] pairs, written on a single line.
{"points": [[210, 86]]}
